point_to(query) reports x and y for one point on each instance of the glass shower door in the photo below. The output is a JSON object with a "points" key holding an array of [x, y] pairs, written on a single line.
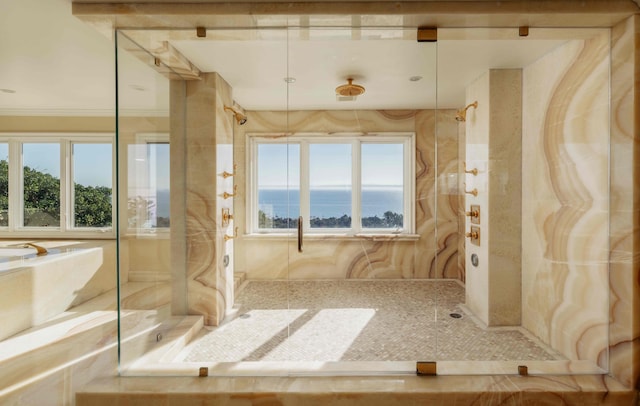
{"points": [[151, 289], [362, 114]]}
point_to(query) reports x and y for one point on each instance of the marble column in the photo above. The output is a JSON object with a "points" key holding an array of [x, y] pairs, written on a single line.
{"points": [[203, 149], [494, 145], [177, 158]]}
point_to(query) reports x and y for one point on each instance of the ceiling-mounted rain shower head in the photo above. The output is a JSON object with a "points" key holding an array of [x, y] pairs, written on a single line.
{"points": [[461, 115], [349, 90], [240, 118]]}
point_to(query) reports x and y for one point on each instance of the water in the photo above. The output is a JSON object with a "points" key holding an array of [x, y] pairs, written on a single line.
{"points": [[327, 203]]}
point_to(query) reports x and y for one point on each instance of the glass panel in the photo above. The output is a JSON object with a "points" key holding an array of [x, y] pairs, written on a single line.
{"points": [[382, 195], [330, 185], [148, 206], [350, 296], [92, 182], [4, 184], [278, 186], [224, 198], [41, 183], [534, 171], [160, 168], [152, 275]]}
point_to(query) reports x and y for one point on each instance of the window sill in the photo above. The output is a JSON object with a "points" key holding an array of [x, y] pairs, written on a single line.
{"points": [[333, 237], [158, 234], [58, 235]]}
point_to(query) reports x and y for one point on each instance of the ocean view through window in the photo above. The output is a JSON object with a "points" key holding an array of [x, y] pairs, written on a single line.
{"points": [[148, 198], [346, 185]]}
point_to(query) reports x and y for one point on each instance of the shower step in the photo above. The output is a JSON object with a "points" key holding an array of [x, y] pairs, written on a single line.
{"points": [[67, 338], [159, 343], [238, 282]]}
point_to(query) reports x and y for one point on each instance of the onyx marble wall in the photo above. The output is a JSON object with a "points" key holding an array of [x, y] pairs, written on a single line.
{"points": [[565, 199], [624, 240], [447, 196], [427, 255]]}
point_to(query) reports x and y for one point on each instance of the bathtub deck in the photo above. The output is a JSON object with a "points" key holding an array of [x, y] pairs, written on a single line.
{"points": [[81, 330]]}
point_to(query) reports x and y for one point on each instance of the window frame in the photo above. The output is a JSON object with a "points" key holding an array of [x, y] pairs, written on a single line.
{"points": [[144, 177], [66, 229], [356, 140]]}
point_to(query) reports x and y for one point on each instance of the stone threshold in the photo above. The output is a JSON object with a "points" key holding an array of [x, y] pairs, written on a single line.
{"points": [[371, 391]]}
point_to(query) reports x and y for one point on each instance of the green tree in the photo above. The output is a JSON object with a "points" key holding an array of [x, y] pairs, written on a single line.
{"points": [[392, 219], [389, 220], [137, 205], [4, 193], [41, 198], [92, 206]]}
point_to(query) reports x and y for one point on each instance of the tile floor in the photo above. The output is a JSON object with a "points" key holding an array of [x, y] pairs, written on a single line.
{"points": [[356, 320]]}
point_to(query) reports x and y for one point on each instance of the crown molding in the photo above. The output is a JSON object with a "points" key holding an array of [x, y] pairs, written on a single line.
{"points": [[82, 113]]}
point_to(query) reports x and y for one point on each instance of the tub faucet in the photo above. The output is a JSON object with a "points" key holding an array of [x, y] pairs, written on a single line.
{"points": [[41, 250]]}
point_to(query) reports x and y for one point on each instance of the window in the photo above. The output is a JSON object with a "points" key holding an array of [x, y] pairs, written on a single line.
{"points": [[92, 184], [148, 197], [41, 184], [382, 190], [4, 184], [345, 184], [52, 184], [278, 185], [330, 185]]}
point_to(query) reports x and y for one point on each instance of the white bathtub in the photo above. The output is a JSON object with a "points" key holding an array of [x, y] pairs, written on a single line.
{"points": [[34, 288], [16, 252]]}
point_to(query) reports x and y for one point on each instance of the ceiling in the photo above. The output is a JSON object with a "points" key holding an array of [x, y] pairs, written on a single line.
{"points": [[57, 65], [256, 69], [54, 62]]}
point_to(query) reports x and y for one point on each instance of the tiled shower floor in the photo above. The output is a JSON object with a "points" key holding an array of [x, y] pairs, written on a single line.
{"points": [[355, 320]]}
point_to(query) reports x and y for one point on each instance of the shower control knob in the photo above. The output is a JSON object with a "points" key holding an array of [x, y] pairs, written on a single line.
{"points": [[473, 235]]}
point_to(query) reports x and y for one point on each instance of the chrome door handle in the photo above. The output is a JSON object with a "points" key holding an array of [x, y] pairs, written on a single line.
{"points": [[300, 234]]}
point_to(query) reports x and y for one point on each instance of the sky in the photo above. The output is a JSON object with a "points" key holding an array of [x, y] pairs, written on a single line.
{"points": [[148, 159], [330, 165], [91, 162]]}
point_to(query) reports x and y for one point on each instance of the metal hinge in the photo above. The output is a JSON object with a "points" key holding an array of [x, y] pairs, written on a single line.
{"points": [[427, 34], [426, 368]]}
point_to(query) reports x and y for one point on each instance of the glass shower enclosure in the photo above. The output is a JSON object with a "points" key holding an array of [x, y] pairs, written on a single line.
{"points": [[351, 200]]}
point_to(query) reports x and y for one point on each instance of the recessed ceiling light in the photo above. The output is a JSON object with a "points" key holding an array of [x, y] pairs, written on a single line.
{"points": [[415, 78], [7, 91], [290, 80], [139, 88]]}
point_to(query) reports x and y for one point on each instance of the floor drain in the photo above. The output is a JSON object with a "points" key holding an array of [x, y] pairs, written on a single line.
{"points": [[245, 316], [455, 315]]}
